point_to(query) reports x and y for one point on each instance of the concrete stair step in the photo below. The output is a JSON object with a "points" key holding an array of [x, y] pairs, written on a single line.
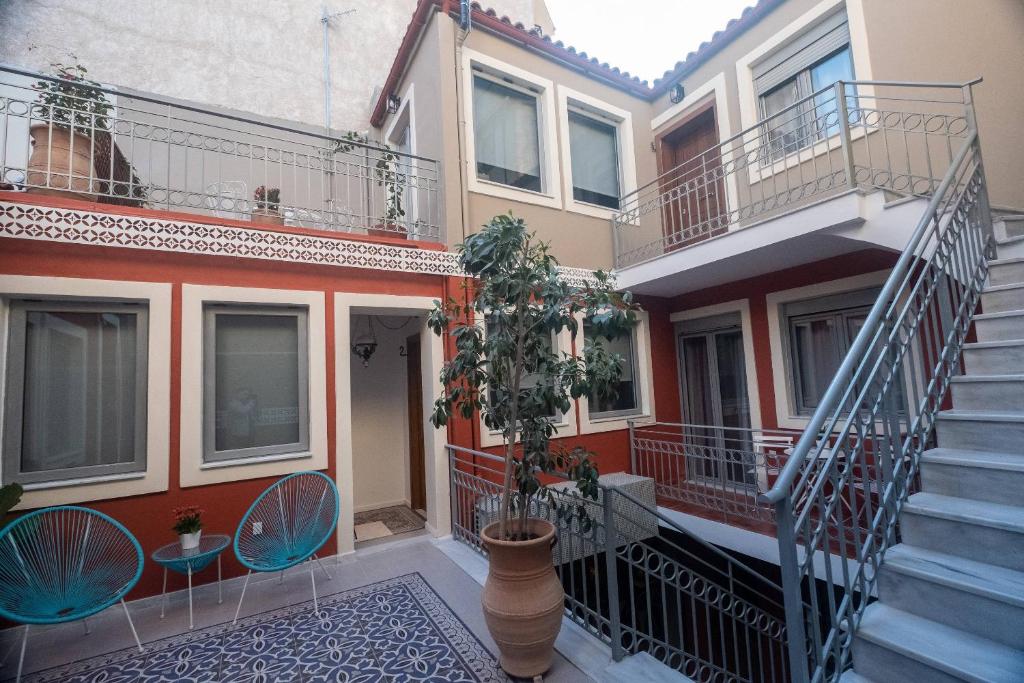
{"points": [[1010, 247], [851, 676], [997, 393], [979, 598], [897, 647], [993, 358], [1003, 298], [1006, 271], [1002, 326], [999, 432], [976, 475], [977, 530]]}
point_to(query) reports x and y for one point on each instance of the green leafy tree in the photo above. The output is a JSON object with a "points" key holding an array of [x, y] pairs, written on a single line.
{"points": [[506, 369]]}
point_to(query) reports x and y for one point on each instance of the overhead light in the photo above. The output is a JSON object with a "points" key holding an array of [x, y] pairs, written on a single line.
{"points": [[676, 93], [365, 344], [394, 102]]}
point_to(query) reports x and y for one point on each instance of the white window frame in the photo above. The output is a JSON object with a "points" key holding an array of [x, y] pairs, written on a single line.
{"points": [[476, 63], [643, 380], [622, 120], [193, 470], [157, 299]]}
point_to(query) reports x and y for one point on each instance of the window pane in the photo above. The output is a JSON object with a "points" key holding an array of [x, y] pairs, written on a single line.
{"points": [[595, 167], [529, 380], [626, 400], [506, 138], [256, 381], [838, 67], [816, 357], [784, 133], [80, 395]]}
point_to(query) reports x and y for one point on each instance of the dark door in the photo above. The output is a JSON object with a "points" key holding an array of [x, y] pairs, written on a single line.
{"points": [[694, 201], [417, 469]]}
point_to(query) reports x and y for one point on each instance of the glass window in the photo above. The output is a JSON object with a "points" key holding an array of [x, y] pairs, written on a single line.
{"points": [[506, 134], [627, 401], [593, 146], [76, 391], [256, 378], [529, 380]]}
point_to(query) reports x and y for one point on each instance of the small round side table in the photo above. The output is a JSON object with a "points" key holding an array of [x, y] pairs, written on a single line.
{"points": [[188, 562]]}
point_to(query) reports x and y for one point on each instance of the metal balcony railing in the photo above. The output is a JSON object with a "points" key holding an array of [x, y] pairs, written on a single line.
{"points": [[893, 136], [639, 582], [102, 144]]}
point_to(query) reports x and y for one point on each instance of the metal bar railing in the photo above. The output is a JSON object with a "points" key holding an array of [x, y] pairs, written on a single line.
{"points": [[104, 144], [638, 581], [880, 411], [885, 135]]}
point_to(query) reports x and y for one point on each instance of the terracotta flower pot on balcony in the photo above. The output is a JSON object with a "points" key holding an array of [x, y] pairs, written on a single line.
{"points": [[523, 598], [267, 217], [393, 230], [61, 163]]}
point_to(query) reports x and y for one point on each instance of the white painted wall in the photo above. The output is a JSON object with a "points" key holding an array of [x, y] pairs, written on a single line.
{"points": [[260, 57], [380, 418]]}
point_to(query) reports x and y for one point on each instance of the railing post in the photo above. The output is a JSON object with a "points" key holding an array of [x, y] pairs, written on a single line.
{"points": [[792, 593], [612, 576], [844, 134], [632, 447]]}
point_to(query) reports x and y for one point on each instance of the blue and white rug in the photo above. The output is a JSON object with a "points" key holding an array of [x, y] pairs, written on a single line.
{"points": [[396, 630]]}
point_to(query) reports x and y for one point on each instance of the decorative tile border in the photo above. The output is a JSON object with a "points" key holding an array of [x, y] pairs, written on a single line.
{"points": [[78, 226]]}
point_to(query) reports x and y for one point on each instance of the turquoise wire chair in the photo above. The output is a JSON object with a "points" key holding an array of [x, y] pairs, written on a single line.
{"points": [[65, 563], [286, 525]]}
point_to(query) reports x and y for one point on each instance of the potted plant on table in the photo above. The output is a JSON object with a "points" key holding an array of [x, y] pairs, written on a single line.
{"points": [[188, 524], [268, 202], [72, 112], [507, 370]]}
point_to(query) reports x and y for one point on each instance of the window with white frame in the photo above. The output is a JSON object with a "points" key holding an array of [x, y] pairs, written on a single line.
{"points": [[75, 394], [594, 152], [816, 59], [530, 379], [255, 381], [627, 399], [506, 128]]}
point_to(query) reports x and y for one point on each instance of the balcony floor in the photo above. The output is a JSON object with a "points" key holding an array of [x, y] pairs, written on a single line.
{"points": [[387, 614]]}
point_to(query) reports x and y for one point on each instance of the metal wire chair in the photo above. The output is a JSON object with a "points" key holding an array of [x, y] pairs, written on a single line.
{"points": [[60, 564], [286, 525]]}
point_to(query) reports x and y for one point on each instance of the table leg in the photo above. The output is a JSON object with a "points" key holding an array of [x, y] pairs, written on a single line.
{"points": [[190, 623], [163, 595], [220, 596]]}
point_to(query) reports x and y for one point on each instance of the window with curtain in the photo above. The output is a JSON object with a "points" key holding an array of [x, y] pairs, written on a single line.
{"points": [[256, 382], [594, 149], [529, 380], [814, 60], [506, 135], [626, 402], [75, 390]]}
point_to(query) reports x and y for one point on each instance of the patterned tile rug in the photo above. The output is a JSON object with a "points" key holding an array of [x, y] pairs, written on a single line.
{"points": [[396, 630], [398, 519]]}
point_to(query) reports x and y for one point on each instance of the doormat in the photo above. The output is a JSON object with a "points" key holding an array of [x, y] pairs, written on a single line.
{"points": [[372, 530], [394, 630], [398, 519]]}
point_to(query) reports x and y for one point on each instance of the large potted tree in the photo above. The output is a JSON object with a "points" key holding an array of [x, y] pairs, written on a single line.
{"points": [[505, 369], [71, 112]]}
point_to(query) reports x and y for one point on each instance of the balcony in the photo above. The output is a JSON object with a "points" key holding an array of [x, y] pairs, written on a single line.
{"points": [[861, 137], [102, 144]]}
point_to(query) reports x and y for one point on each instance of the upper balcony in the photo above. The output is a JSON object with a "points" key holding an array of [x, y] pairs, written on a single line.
{"points": [[79, 140], [734, 201]]}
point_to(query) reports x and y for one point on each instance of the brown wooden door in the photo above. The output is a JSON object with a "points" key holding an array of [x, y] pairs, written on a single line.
{"points": [[694, 203], [417, 467]]}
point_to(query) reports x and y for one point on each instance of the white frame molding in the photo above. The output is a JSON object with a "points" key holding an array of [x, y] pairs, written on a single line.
{"points": [[625, 151], [407, 113], [551, 194], [741, 306], [195, 472], [435, 454], [778, 336], [157, 297], [644, 382]]}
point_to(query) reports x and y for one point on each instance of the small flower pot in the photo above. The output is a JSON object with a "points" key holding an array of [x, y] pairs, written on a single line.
{"points": [[190, 541], [267, 217], [61, 163], [392, 230]]}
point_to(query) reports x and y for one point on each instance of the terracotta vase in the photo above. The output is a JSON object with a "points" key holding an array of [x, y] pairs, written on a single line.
{"points": [[267, 217], [61, 163], [523, 599], [392, 230]]}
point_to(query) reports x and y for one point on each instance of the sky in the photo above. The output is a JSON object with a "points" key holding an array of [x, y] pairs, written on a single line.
{"points": [[644, 37]]}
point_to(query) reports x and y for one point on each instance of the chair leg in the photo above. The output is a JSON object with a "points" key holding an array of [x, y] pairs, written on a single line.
{"points": [[319, 562], [21, 657], [85, 623], [14, 644], [312, 577], [242, 596], [132, 625]]}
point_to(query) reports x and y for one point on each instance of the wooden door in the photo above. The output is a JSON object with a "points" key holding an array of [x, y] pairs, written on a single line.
{"points": [[417, 466], [694, 201]]}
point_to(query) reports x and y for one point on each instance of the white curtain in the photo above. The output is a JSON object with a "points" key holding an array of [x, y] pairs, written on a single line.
{"points": [[505, 123], [594, 156]]}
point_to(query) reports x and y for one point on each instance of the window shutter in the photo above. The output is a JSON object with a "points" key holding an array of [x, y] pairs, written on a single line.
{"points": [[812, 46]]}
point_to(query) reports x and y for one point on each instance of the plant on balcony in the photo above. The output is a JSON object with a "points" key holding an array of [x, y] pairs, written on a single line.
{"points": [[387, 174], [10, 495], [506, 370], [188, 524], [268, 203], [72, 129]]}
